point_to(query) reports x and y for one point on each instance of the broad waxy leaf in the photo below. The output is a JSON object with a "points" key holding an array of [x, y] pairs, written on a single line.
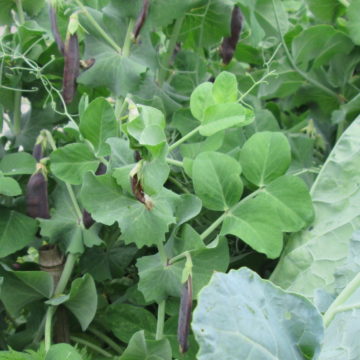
{"points": [[18, 164], [245, 317], [216, 179], [97, 124], [72, 161], [103, 198], [140, 348], [205, 262], [312, 257], [264, 157], [16, 231], [83, 300], [124, 320]]}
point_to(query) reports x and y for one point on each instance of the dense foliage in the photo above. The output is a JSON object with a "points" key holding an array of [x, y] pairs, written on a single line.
{"points": [[179, 179]]}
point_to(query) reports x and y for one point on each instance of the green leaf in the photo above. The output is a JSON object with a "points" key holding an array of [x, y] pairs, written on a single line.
{"points": [[223, 116], [153, 175], [61, 352], [234, 306], [140, 348], [201, 98], [353, 23], [125, 319], [97, 124], [283, 205], [217, 192], [205, 262], [1, 117], [121, 154], [225, 89], [325, 10], [64, 227], [40, 281], [72, 161], [83, 300], [9, 186], [306, 45], [254, 223], [18, 164], [312, 257], [189, 207], [103, 198], [264, 157], [16, 231]]}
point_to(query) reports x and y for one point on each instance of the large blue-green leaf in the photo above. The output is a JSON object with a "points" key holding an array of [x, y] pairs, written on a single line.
{"points": [[312, 257], [241, 316]]}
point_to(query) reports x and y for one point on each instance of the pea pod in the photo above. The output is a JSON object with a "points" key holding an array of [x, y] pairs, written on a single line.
{"points": [[71, 67], [185, 316], [37, 205], [228, 45], [141, 19], [55, 30]]}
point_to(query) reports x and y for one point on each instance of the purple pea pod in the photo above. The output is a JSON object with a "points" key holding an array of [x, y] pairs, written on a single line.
{"points": [[228, 45], [185, 316], [71, 67], [37, 204], [38, 152], [55, 30], [141, 18]]}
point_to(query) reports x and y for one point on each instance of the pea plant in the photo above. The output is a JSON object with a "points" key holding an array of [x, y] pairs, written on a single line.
{"points": [[179, 180]]}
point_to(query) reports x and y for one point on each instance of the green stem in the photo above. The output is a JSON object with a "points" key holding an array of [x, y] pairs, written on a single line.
{"points": [[74, 202], [162, 252], [179, 185], [220, 219], [91, 346], [174, 162], [101, 31], [20, 11], [296, 68], [351, 287], [106, 339], [17, 112], [48, 327], [128, 37], [66, 273], [184, 138], [160, 320], [174, 36]]}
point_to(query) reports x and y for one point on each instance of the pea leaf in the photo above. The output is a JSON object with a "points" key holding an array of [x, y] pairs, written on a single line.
{"points": [[325, 10], [234, 306], [83, 300], [217, 192], [104, 199], [264, 157], [205, 262], [9, 186], [125, 319], [16, 231], [225, 89], [18, 164], [140, 348], [200, 99], [62, 351], [353, 24], [97, 124], [72, 161]]}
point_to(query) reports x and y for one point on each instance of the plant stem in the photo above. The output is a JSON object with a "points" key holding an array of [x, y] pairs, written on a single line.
{"points": [[101, 31], [162, 252], [296, 68], [220, 219], [48, 327], [106, 339], [174, 162], [20, 11], [350, 288], [17, 112], [91, 346], [160, 320], [74, 202], [179, 185], [66, 273], [174, 36], [184, 138], [127, 42]]}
